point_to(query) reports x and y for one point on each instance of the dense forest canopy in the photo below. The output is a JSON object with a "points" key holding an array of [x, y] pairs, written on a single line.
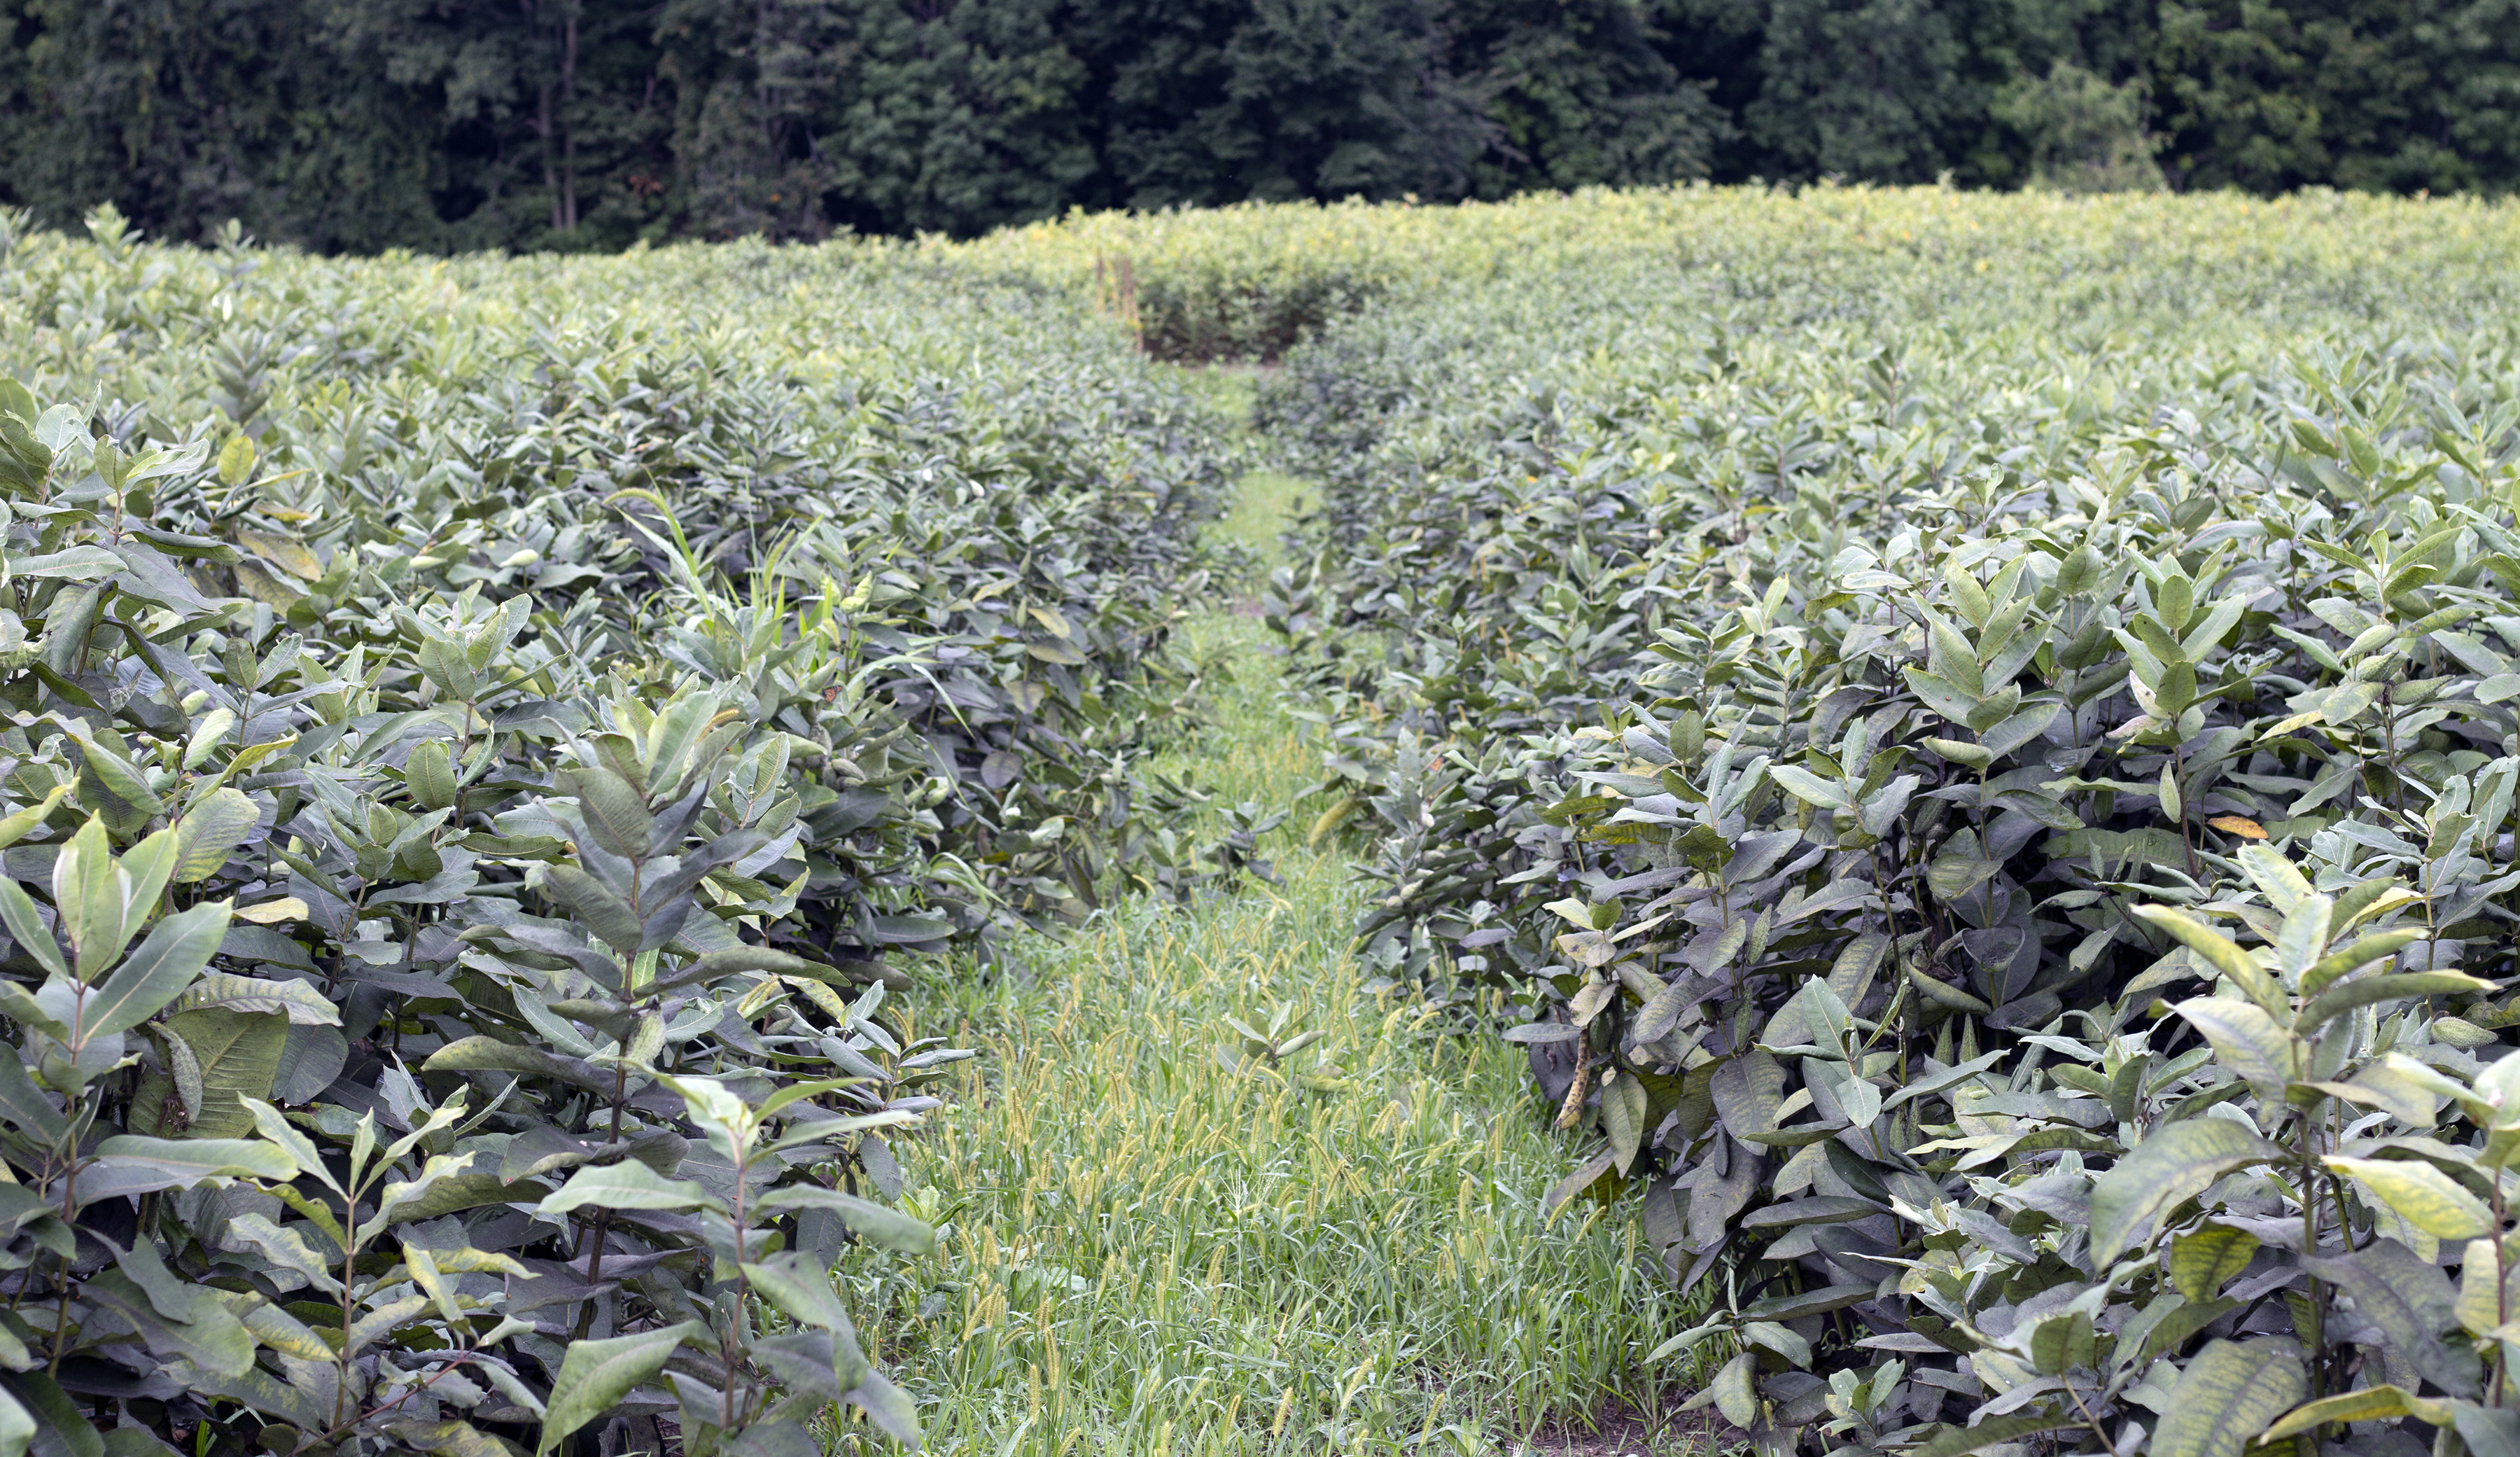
{"points": [[450, 124]]}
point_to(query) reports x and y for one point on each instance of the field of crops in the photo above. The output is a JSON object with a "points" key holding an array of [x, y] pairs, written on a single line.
{"points": [[486, 739], [1859, 821]]}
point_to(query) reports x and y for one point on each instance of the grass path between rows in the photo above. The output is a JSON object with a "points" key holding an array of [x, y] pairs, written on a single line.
{"points": [[1149, 1251]]}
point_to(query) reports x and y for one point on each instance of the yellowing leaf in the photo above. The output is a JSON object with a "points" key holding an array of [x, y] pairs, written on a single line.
{"points": [[2368, 1404], [2175, 1164], [2229, 1394], [210, 830], [289, 556], [2427, 1197], [236, 459], [2223, 953], [2200, 1262]]}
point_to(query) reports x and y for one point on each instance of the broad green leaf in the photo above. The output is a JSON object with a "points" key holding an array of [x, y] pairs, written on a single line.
{"points": [[2498, 1084], [1815, 1017], [543, 1149], [424, 1273], [1940, 695], [206, 733], [1689, 1339], [2434, 1081], [149, 866], [156, 971], [382, 1320], [92, 895], [299, 1001], [221, 1343], [629, 1185], [467, 1261], [300, 1151], [1818, 1208], [888, 1407], [404, 1199], [1552, 1032], [27, 929], [490, 1055], [2487, 1431], [16, 1427], [1733, 1393], [450, 1437], [235, 460], [2018, 730], [259, 1391], [2363, 952], [2482, 1308], [2166, 1325], [2247, 1041], [24, 1104], [2338, 1000], [236, 1055], [2064, 1342], [2382, 1086], [108, 764], [1968, 595], [453, 1193], [2370, 899], [1782, 1340], [209, 831], [2304, 936], [20, 824], [736, 960], [1623, 1104], [1749, 1088], [1947, 1078], [2285, 884], [2176, 1163], [1882, 808], [430, 774], [201, 1328], [1810, 788], [1958, 868], [598, 909], [1797, 1305], [801, 1286], [285, 1247], [816, 1365], [311, 1058], [63, 1430], [615, 814], [773, 1437], [870, 1222], [443, 662], [132, 1162], [2411, 1300], [594, 1375]]}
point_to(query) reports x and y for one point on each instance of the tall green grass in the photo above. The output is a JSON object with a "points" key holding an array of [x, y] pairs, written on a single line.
{"points": [[1149, 1252]]}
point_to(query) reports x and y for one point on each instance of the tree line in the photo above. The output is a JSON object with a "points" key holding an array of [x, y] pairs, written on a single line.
{"points": [[356, 125]]}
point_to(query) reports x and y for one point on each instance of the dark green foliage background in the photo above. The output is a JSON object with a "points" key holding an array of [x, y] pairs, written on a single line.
{"points": [[358, 125]]}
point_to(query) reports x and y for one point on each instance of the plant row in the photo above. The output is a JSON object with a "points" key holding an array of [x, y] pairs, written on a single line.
{"points": [[1986, 771], [483, 740]]}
